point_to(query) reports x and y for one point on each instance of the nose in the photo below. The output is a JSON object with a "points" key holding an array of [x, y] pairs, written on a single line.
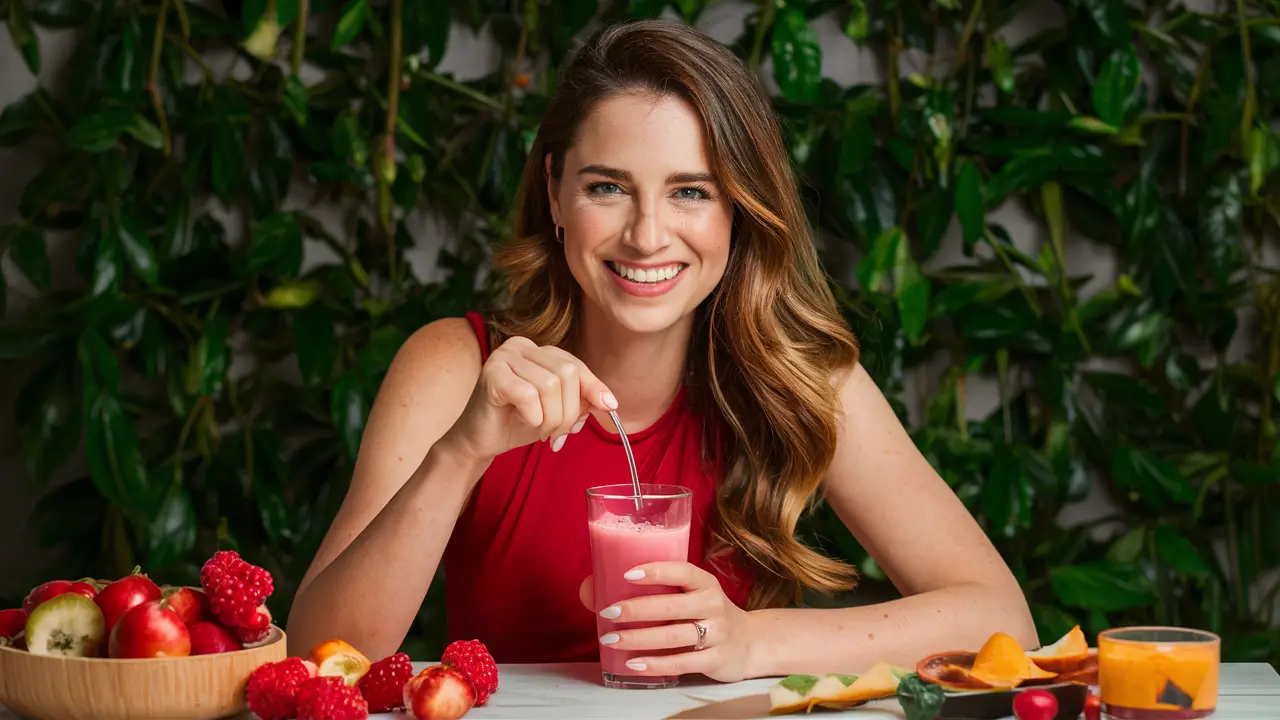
{"points": [[647, 232]]}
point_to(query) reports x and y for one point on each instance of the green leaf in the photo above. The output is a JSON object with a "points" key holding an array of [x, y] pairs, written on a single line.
{"points": [[108, 266], [98, 132], [24, 35], [29, 254], [911, 288], [969, 208], [276, 242], [880, 260], [1179, 553], [1129, 547], [171, 534], [797, 57], [294, 98], [21, 119], [350, 23], [1220, 213], [315, 344], [349, 411], [426, 25], [61, 14], [960, 295], [1154, 479], [1006, 498], [1100, 587], [207, 366], [142, 130], [1023, 172], [857, 24], [857, 143], [227, 158], [292, 295], [49, 419], [1264, 157], [920, 700], [1115, 94], [1110, 16], [138, 250]]}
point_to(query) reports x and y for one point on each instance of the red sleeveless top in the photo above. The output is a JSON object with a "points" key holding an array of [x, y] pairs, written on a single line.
{"points": [[519, 550]]}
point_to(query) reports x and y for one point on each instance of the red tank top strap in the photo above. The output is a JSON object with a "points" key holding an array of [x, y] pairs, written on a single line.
{"points": [[482, 334]]}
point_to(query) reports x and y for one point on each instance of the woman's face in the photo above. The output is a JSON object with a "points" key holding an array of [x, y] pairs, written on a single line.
{"points": [[646, 226]]}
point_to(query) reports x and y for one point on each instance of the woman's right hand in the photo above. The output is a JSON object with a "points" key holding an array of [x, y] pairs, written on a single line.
{"points": [[526, 393]]}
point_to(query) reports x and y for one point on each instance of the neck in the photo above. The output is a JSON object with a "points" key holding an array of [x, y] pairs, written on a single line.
{"points": [[644, 370]]}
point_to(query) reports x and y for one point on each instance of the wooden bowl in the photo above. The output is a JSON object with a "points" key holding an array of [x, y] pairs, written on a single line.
{"points": [[199, 687]]}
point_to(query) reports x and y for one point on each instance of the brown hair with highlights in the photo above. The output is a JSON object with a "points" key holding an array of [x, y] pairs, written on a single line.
{"points": [[769, 341]]}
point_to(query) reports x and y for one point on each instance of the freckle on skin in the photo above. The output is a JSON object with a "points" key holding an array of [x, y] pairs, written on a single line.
{"points": [[871, 636]]}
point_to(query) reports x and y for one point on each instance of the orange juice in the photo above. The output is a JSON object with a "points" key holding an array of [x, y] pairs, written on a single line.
{"points": [[1153, 673]]}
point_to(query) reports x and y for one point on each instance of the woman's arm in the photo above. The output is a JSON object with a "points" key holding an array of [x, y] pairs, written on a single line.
{"points": [[957, 589], [372, 571]]}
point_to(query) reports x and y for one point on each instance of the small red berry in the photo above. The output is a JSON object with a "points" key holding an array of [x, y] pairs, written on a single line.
{"points": [[1035, 705], [472, 658], [236, 591], [273, 688], [383, 684], [329, 698]]}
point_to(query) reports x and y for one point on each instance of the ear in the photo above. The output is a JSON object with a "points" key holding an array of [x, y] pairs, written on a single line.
{"points": [[553, 190]]}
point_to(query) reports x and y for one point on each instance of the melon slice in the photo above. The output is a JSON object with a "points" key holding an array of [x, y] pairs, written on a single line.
{"points": [[951, 671], [796, 693], [1003, 664], [1068, 654]]}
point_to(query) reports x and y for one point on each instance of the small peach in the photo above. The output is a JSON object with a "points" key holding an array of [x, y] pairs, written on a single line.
{"points": [[439, 693], [337, 658]]}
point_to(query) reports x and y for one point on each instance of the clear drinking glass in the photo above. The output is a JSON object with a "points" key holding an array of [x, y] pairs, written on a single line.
{"points": [[1158, 673], [622, 537]]}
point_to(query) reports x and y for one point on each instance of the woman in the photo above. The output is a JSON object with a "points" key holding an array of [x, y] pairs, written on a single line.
{"points": [[662, 266]]}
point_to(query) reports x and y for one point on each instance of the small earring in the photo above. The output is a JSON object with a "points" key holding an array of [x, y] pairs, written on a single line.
{"points": [[559, 234]]}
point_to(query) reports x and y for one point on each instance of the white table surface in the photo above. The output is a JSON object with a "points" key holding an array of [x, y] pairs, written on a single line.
{"points": [[1247, 691]]}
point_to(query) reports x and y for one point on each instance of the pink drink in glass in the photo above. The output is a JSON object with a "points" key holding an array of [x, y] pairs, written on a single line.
{"points": [[623, 537]]}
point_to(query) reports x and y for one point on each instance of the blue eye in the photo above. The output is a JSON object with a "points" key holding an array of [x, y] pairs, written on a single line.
{"points": [[692, 193], [604, 188]]}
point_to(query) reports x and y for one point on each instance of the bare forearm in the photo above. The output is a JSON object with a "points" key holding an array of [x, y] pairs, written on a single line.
{"points": [[813, 640], [371, 592]]}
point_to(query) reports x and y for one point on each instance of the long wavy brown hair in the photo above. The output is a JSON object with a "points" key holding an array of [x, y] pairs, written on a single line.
{"points": [[769, 341]]}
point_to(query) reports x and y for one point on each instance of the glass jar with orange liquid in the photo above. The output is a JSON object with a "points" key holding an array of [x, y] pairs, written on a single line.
{"points": [[1158, 673]]}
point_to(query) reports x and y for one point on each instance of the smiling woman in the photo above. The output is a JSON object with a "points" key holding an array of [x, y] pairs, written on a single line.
{"points": [[661, 267]]}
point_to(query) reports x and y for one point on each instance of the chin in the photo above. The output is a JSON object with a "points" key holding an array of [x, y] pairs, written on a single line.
{"points": [[656, 318]]}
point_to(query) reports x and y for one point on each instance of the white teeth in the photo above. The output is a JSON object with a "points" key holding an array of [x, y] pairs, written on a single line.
{"points": [[646, 276]]}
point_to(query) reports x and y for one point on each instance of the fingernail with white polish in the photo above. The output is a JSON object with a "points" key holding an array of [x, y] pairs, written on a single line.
{"points": [[633, 574], [636, 664], [611, 612], [582, 422], [609, 638], [558, 443]]}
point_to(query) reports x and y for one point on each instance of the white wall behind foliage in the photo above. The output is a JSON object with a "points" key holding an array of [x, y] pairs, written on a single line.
{"points": [[469, 55]]}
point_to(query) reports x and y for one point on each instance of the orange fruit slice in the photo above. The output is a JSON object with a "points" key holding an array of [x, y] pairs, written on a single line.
{"points": [[337, 658], [1068, 654], [1003, 664]]}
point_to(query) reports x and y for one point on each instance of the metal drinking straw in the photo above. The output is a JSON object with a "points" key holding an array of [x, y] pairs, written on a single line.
{"points": [[631, 459]]}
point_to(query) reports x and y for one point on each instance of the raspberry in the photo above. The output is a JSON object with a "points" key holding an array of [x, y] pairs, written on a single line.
{"points": [[329, 698], [236, 589], [272, 689], [257, 628], [472, 658], [383, 685]]}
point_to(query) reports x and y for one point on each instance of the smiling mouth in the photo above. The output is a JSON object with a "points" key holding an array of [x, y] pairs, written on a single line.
{"points": [[646, 276]]}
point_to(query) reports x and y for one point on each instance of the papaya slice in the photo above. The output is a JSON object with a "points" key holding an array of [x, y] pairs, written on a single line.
{"points": [[951, 670], [796, 693], [1084, 674], [1069, 653], [1003, 664]]}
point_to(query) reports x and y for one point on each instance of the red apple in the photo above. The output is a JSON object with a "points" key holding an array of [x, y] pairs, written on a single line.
{"points": [[150, 630], [55, 588], [192, 605], [1035, 705], [12, 622], [124, 594], [210, 638], [439, 693]]}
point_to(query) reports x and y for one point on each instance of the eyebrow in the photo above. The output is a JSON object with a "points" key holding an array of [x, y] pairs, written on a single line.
{"points": [[624, 176]]}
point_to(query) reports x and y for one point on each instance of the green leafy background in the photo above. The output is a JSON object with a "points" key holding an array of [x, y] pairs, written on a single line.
{"points": [[246, 250]]}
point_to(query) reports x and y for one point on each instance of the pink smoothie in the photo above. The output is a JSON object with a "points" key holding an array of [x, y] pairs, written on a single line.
{"points": [[617, 545]]}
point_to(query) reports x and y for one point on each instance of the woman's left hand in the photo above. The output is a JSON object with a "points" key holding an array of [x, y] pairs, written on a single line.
{"points": [[720, 653]]}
